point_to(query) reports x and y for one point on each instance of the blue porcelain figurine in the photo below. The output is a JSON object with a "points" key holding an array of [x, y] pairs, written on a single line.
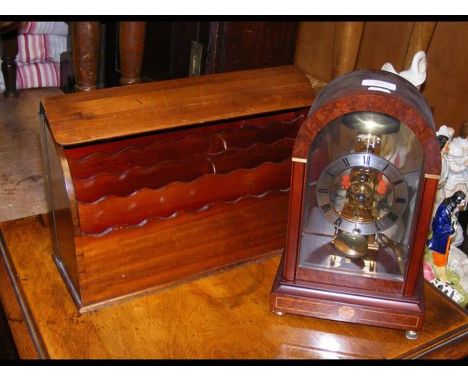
{"points": [[443, 228]]}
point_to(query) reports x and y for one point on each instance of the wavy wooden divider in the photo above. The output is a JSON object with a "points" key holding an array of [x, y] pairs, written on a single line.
{"points": [[101, 217], [132, 156], [144, 140], [149, 151], [91, 189], [252, 156], [187, 169], [257, 133]]}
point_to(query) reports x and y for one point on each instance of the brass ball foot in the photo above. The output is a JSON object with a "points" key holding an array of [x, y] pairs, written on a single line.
{"points": [[411, 335]]}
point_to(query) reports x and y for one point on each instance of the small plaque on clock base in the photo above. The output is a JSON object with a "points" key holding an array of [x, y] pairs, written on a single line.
{"points": [[330, 303]]}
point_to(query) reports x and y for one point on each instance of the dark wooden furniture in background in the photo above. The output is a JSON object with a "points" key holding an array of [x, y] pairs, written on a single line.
{"points": [[132, 42], [86, 40], [86, 51], [180, 49], [224, 316], [9, 48], [158, 182], [249, 45]]}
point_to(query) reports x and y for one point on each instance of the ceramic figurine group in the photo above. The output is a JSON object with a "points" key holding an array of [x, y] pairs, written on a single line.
{"points": [[449, 264], [445, 266]]}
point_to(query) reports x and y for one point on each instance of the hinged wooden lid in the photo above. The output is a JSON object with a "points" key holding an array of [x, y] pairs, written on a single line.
{"points": [[122, 111]]}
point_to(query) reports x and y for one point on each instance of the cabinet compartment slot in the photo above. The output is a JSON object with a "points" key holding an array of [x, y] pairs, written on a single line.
{"points": [[131, 156], [252, 132], [118, 157], [187, 169], [114, 211]]}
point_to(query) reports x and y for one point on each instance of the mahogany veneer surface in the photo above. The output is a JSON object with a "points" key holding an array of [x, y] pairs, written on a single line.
{"points": [[158, 182], [118, 112], [225, 315]]}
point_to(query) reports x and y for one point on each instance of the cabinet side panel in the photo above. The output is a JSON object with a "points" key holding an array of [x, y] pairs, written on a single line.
{"points": [[63, 227]]}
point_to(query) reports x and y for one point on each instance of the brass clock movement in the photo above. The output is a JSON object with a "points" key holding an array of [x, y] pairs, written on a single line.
{"points": [[364, 174]]}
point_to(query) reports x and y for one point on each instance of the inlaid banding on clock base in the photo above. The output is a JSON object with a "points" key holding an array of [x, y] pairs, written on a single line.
{"points": [[298, 300]]}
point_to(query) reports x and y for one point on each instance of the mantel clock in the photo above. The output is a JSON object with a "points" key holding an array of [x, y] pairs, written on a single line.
{"points": [[364, 175]]}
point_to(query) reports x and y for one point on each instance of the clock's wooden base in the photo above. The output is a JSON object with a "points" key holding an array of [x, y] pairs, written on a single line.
{"points": [[405, 314]]}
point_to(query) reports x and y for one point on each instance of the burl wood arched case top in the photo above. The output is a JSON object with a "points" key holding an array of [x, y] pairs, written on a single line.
{"points": [[360, 204], [372, 90]]}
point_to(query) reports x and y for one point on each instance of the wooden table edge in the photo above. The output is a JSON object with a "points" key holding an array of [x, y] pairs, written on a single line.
{"points": [[22, 303]]}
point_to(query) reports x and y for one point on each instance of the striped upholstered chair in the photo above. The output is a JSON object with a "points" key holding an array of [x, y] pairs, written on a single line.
{"points": [[38, 59]]}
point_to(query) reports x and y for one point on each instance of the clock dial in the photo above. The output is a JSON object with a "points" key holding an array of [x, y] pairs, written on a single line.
{"points": [[362, 193]]}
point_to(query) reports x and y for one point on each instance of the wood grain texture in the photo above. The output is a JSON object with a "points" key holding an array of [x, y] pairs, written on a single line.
{"points": [[420, 39], [65, 224], [384, 42], [296, 194], [110, 211], [119, 156], [346, 46], [225, 315], [315, 49], [249, 45], [420, 232], [16, 320], [361, 284], [344, 301], [136, 109], [270, 120], [91, 189], [94, 187], [133, 155], [263, 130], [320, 46], [447, 77], [191, 244]]}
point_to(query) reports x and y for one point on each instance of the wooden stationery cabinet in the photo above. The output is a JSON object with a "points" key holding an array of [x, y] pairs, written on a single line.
{"points": [[155, 183]]}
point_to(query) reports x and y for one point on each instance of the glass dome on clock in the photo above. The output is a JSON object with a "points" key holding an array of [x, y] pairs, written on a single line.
{"points": [[362, 181]]}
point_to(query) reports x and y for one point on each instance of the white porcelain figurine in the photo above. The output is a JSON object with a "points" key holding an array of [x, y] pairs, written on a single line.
{"points": [[416, 73], [457, 177], [444, 136]]}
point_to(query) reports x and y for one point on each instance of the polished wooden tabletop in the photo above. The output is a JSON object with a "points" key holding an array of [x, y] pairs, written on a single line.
{"points": [[224, 315]]}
